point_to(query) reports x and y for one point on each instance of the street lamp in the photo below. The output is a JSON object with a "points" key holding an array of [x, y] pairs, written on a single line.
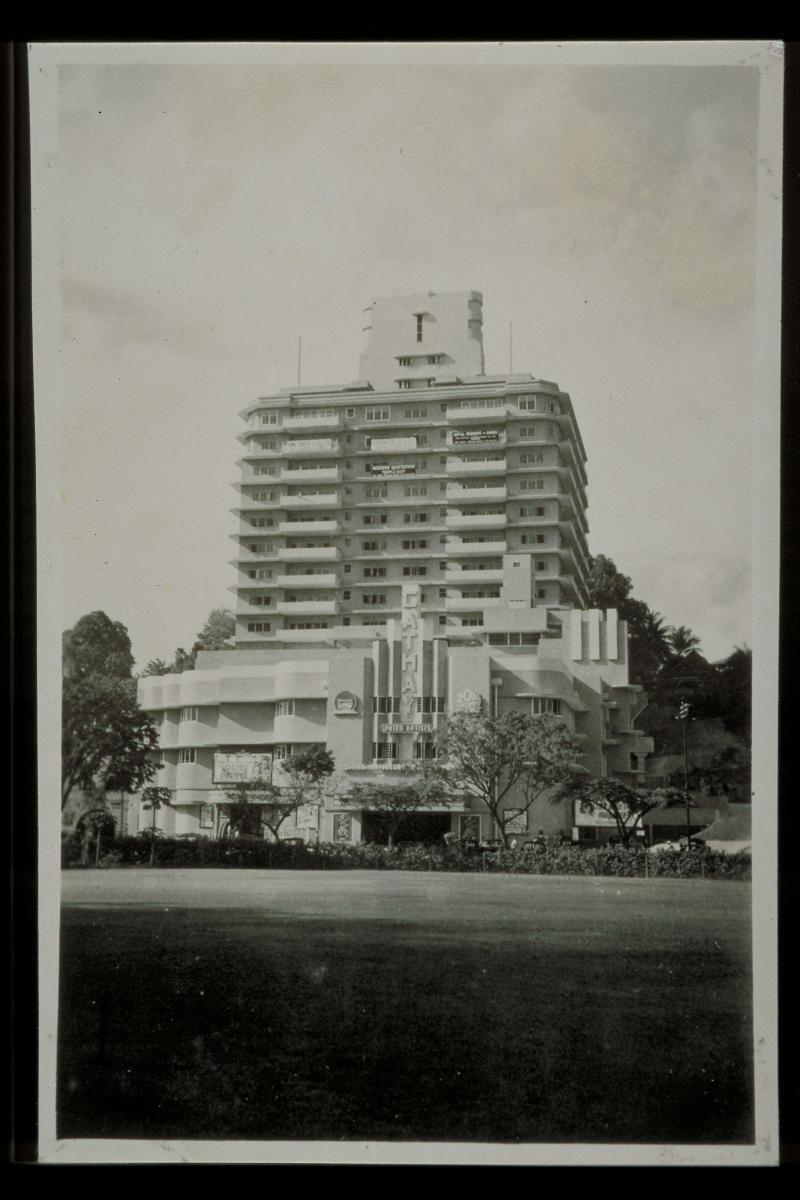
{"points": [[683, 716]]}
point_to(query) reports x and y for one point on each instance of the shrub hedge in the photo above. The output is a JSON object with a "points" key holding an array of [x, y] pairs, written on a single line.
{"points": [[563, 860]]}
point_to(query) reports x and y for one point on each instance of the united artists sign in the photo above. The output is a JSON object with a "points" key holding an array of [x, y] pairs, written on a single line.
{"points": [[404, 727]]}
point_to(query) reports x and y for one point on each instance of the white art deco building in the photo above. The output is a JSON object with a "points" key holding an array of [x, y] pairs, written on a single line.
{"points": [[407, 544]]}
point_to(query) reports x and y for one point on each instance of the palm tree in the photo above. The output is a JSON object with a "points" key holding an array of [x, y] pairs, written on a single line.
{"points": [[682, 640]]}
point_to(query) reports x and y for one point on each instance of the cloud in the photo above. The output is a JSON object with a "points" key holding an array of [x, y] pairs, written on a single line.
{"points": [[130, 319]]}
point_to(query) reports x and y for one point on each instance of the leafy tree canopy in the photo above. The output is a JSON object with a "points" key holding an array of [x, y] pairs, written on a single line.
{"points": [[216, 634], [106, 738], [298, 780], [511, 756], [96, 645], [625, 805]]}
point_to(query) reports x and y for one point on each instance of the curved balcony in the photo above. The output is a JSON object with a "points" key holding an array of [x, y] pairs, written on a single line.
{"points": [[461, 575], [326, 474], [308, 553], [476, 521], [463, 549], [479, 413], [328, 580], [476, 466], [320, 500], [458, 493], [296, 423], [307, 608], [298, 528], [309, 447], [471, 603]]}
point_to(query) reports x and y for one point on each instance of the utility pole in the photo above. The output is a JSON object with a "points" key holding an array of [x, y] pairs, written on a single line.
{"points": [[683, 717]]}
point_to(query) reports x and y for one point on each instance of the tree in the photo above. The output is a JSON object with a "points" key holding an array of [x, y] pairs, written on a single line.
{"points": [[154, 798], [216, 634], [218, 631], [648, 635], [492, 758], [96, 645], [627, 806], [417, 789], [106, 739], [301, 779], [156, 666], [682, 640]]}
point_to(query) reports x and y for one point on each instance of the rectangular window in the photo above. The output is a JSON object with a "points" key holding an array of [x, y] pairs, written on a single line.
{"points": [[415, 518], [540, 564], [187, 756], [284, 708], [261, 599], [374, 572], [415, 543], [375, 519], [540, 705], [189, 714], [382, 750], [376, 414], [377, 493], [346, 595], [416, 489], [540, 594], [255, 547], [442, 620], [430, 704], [260, 573], [281, 752], [424, 750], [415, 414], [373, 598], [419, 317], [478, 620], [268, 469], [258, 627], [261, 522], [386, 704], [415, 571], [268, 418], [370, 547], [531, 485], [349, 412], [531, 458]]}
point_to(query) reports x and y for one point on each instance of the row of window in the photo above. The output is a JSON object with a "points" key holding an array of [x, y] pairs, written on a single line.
{"points": [[423, 704], [375, 546], [547, 431], [384, 413]]}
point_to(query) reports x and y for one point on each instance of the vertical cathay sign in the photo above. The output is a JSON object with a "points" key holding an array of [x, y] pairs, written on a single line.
{"points": [[409, 648]]}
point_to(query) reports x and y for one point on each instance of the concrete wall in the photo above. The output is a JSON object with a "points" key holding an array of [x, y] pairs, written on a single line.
{"points": [[451, 326]]}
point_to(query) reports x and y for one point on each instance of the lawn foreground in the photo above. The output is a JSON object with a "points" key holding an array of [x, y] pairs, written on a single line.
{"points": [[368, 1006]]}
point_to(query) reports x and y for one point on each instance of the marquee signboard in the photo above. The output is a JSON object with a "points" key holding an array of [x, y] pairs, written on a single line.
{"points": [[462, 436], [242, 767]]}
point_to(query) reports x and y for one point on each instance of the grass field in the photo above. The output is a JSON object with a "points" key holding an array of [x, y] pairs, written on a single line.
{"points": [[374, 1006]]}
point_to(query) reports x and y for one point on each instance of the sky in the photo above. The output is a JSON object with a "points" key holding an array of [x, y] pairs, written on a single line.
{"points": [[211, 215]]}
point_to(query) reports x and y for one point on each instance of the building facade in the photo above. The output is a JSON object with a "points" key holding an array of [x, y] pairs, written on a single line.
{"points": [[400, 557]]}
